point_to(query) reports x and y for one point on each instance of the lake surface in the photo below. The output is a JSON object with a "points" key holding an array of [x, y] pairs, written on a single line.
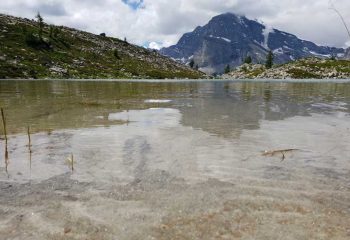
{"points": [[175, 160]]}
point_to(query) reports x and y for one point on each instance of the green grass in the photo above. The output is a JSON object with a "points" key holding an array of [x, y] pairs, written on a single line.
{"points": [[301, 74], [339, 65]]}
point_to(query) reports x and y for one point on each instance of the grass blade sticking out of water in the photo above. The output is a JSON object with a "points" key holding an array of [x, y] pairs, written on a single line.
{"points": [[7, 161], [29, 147], [4, 124], [29, 139]]}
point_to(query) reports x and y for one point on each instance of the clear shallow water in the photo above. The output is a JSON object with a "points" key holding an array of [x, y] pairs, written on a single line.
{"points": [[181, 156]]}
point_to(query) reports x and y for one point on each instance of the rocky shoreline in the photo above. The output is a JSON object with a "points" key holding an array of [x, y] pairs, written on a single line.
{"points": [[310, 68]]}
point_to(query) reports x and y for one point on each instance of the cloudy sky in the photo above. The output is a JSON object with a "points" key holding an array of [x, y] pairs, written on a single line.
{"points": [[162, 22]]}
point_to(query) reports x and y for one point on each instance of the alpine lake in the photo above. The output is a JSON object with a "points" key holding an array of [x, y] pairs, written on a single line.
{"points": [[175, 159]]}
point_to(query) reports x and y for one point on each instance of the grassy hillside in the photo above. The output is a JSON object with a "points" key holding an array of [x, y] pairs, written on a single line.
{"points": [[63, 52], [302, 69]]}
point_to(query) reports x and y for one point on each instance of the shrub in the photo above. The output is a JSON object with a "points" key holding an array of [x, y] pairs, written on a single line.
{"points": [[51, 29], [32, 40], [227, 69], [56, 31], [35, 42], [116, 54]]}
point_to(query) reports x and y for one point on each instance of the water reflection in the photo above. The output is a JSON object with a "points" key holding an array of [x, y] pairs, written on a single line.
{"points": [[47, 105], [228, 108], [153, 117], [218, 107]]}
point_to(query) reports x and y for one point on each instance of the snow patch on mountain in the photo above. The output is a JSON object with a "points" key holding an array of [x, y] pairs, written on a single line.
{"points": [[222, 38], [242, 21], [320, 55], [278, 51], [266, 33]]}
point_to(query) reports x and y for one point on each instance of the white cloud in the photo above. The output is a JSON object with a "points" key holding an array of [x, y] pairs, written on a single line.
{"points": [[155, 45], [164, 21]]}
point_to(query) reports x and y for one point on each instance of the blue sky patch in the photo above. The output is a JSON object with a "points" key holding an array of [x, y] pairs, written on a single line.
{"points": [[134, 4]]}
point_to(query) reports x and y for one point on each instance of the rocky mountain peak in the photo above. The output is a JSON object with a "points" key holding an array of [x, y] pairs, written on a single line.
{"points": [[227, 39]]}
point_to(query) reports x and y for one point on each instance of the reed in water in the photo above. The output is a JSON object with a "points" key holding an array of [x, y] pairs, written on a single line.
{"points": [[5, 138], [29, 147], [7, 161], [29, 139], [4, 123]]}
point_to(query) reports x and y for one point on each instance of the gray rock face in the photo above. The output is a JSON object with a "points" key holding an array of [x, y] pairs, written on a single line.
{"points": [[229, 38], [347, 54]]}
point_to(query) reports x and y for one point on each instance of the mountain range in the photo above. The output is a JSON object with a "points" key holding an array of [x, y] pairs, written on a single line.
{"points": [[229, 38]]}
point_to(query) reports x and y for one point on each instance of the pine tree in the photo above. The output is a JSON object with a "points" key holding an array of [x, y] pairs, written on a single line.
{"points": [[116, 54], [191, 63], [227, 69], [51, 29], [269, 60], [248, 60], [40, 25]]}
